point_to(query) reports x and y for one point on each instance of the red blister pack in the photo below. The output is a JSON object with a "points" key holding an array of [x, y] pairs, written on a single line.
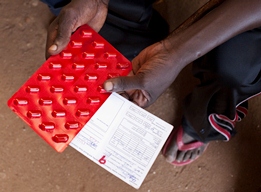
{"points": [[66, 91]]}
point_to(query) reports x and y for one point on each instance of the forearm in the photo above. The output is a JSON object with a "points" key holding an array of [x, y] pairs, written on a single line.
{"points": [[158, 65], [226, 21]]}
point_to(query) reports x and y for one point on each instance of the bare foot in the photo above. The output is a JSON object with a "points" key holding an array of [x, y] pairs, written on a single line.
{"points": [[182, 149]]}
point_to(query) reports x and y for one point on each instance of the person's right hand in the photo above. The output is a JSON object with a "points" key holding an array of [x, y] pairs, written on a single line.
{"points": [[155, 68], [72, 16]]}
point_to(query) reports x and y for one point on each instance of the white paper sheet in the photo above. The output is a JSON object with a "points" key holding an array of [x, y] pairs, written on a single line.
{"points": [[123, 138]]}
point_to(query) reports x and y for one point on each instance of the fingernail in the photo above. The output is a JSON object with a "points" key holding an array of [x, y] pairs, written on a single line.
{"points": [[53, 48], [108, 86]]}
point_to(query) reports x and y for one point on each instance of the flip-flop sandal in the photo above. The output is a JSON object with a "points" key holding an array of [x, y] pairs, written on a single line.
{"points": [[181, 146]]}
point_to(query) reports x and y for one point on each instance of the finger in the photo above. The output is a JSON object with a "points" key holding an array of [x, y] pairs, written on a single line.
{"points": [[136, 64], [124, 94], [51, 35], [96, 23], [139, 98], [122, 84], [63, 30]]}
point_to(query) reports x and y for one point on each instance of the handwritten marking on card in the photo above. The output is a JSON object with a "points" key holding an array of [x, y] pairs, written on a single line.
{"points": [[102, 160]]}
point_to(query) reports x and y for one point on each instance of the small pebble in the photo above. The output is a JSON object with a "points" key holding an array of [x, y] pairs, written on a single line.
{"points": [[2, 175], [35, 3]]}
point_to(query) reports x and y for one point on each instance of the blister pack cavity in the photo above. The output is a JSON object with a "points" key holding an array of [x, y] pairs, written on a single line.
{"points": [[66, 91]]}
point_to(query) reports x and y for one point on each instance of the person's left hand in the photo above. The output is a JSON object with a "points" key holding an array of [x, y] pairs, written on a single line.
{"points": [[72, 16]]}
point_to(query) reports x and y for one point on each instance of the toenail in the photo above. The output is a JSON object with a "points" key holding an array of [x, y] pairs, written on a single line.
{"points": [[169, 159]]}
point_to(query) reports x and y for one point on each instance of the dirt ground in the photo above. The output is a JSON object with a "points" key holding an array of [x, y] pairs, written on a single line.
{"points": [[28, 164]]}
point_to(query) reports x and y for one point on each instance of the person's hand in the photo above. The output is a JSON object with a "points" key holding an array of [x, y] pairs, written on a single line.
{"points": [[154, 70], [72, 16]]}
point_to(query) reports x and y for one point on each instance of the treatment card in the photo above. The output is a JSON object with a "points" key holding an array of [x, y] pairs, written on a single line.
{"points": [[123, 138]]}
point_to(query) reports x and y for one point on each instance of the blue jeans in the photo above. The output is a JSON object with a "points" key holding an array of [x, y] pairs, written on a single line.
{"points": [[55, 6]]}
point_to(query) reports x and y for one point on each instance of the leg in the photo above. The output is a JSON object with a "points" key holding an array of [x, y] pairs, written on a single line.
{"points": [[229, 75], [130, 41]]}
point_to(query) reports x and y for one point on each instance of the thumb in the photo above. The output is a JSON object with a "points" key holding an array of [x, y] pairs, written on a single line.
{"points": [[122, 83], [60, 35]]}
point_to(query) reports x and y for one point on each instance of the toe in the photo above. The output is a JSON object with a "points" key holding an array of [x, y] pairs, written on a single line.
{"points": [[180, 156], [171, 153], [187, 156], [195, 154]]}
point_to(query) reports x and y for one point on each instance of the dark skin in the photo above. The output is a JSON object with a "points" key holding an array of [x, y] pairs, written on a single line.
{"points": [[157, 66], [72, 16]]}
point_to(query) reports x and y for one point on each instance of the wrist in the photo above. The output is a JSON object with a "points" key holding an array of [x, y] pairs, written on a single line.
{"points": [[175, 55], [104, 2]]}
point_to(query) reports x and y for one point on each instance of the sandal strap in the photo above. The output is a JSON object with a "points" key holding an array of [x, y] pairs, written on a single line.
{"points": [[186, 147]]}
